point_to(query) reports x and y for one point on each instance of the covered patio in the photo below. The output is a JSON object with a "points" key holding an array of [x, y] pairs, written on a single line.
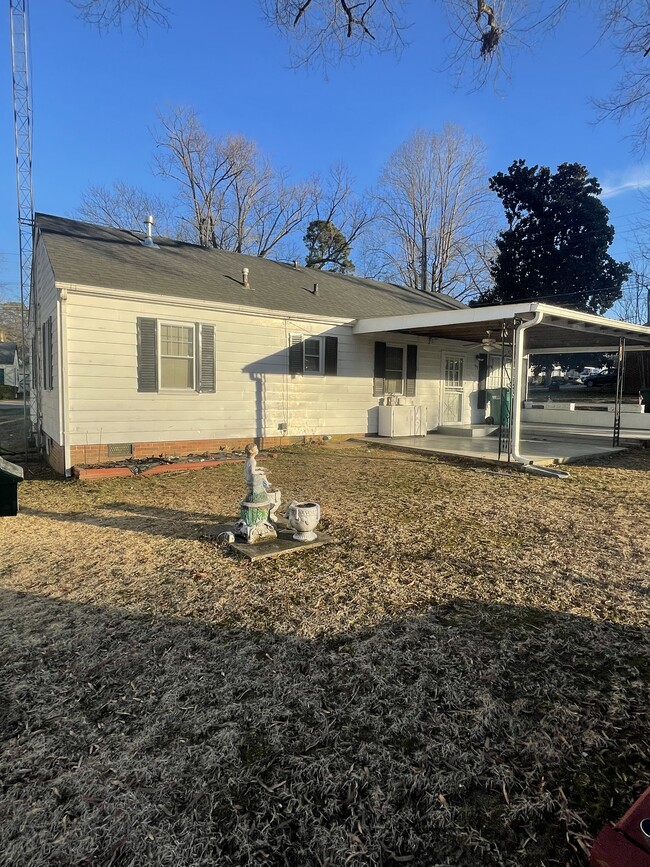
{"points": [[529, 328]]}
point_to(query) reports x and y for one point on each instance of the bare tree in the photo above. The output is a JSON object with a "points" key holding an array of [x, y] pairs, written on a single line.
{"points": [[126, 207], [234, 198], [335, 200], [106, 14], [634, 304], [278, 214], [433, 212], [320, 31], [203, 167]]}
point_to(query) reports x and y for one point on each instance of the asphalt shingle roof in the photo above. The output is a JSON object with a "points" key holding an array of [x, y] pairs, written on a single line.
{"points": [[109, 258]]}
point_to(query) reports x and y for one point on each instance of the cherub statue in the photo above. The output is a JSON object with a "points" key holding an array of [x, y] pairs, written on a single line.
{"points": [[255, 476]]}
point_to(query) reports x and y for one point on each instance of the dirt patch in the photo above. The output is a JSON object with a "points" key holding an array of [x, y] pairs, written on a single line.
{"points": [[464, 679]]}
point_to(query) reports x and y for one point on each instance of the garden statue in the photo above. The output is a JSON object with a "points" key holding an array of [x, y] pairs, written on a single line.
{"points": [[257, 510]]}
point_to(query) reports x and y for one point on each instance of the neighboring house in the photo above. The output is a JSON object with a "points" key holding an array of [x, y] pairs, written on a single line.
{"points": [[9, 369], [168, 348]]}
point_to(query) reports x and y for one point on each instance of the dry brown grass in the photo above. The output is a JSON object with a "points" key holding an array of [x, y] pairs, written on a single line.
{"points": [[463, 679]]}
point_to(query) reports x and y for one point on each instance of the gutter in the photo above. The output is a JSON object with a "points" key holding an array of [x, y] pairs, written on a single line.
{"points": [[62, 296]]}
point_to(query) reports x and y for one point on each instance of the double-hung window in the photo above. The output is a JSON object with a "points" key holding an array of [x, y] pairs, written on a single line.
{"points": [[175, 356], [177, 365], [313, 355], [395, 369]]}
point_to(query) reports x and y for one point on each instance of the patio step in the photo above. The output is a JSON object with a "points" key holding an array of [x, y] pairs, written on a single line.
{"points": [[467, 430]]}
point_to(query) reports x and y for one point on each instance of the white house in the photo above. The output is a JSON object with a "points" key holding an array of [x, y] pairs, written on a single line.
{"points": [[9, 367], [143, 348]]}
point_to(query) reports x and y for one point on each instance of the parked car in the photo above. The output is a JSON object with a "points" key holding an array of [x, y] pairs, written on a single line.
{"points": [[588, 371], [605, 377]]}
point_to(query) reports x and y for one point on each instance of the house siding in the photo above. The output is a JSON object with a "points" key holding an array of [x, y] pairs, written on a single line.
{"points": [[45, 410], [255, 396]]}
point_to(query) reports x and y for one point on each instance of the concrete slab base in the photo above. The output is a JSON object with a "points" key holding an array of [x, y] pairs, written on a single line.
{"points": [[467, 430], [284, 544]]}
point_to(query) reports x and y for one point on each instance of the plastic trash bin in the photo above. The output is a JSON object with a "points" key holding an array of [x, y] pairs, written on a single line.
{"points": [[498, 400], [645, 394]]}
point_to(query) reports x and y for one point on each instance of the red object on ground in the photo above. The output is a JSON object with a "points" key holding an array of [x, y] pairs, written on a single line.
{"points": [[625, 844]]}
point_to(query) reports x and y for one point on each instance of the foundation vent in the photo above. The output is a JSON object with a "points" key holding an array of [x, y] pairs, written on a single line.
{"points": [[120, 450]]}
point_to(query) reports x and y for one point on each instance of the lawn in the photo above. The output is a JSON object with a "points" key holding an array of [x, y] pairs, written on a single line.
{"points": [[463, 679]]}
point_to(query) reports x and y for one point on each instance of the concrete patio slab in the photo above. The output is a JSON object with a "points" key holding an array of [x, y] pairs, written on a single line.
{"points": [[537, 446]]}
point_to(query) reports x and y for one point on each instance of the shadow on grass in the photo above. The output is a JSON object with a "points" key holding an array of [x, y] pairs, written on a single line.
{"points": [[473, 735], [155, 520]]}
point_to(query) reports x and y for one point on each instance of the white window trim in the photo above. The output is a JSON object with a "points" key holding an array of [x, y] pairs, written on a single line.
{"points": [[167, 389], [321, 355]]}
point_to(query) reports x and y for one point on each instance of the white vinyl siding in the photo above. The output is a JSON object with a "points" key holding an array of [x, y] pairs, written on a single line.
{"points": [[256, 395]]}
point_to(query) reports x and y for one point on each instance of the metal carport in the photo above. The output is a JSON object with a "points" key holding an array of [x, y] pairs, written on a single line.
{"points": [[536, 328]]}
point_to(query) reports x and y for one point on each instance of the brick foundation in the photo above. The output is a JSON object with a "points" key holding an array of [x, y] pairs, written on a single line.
{"points": [[98, 454], [56, 457]]}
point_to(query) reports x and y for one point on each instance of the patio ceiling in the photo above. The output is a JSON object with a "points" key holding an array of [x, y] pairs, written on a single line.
{"points": [[560, 329]]}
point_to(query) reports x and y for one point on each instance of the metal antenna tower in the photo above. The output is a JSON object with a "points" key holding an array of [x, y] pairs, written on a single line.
{"points": [[23, 140]]}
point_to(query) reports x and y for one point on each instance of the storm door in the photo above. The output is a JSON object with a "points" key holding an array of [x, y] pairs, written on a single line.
{"points": [[452, 390]]}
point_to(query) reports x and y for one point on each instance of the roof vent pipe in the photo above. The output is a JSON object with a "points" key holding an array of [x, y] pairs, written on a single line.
{"points": [[148, 241], [244, 275], [295, 264], [315, 288]]}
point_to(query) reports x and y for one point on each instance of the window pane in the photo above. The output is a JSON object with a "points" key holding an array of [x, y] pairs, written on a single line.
{"points": [[394, 369], [177, 372], [454, 372], [394, 383], [177, 340], [394, 356], [312, 355]]}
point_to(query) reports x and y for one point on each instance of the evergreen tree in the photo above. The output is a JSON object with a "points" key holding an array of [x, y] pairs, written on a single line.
{"points": [[327, 248], [555, 246]]}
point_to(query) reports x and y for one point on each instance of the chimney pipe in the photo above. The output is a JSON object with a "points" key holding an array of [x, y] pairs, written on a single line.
{"points": [[148, 241], [295, 264], [244, 274], [315, 291]]}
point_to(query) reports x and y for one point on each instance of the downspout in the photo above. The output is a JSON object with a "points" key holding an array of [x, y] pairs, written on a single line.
{"points": [[62, 296], [517, 398]]}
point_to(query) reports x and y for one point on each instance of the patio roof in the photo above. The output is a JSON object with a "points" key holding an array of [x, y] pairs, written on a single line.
{"points": [[559, 329]]}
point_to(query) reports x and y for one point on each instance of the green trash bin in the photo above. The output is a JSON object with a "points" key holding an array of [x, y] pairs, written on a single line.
{"points": [[498, 400]]}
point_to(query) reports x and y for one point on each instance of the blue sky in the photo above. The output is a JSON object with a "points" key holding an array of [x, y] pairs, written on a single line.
{"points": [[95, 98]]}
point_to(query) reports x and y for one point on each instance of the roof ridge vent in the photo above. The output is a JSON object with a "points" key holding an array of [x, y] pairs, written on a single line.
{"points": [[148, 241]]}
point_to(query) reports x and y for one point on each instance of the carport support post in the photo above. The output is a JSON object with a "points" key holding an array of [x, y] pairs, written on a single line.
{"points": [[518, 387]]}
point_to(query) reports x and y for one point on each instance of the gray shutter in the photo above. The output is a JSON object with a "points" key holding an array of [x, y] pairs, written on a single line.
{"points": [[207, 365], [147, 355], [331, 356], [296, 363], [411, 369], [50, 360], [44, 354], [379, 384]]}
